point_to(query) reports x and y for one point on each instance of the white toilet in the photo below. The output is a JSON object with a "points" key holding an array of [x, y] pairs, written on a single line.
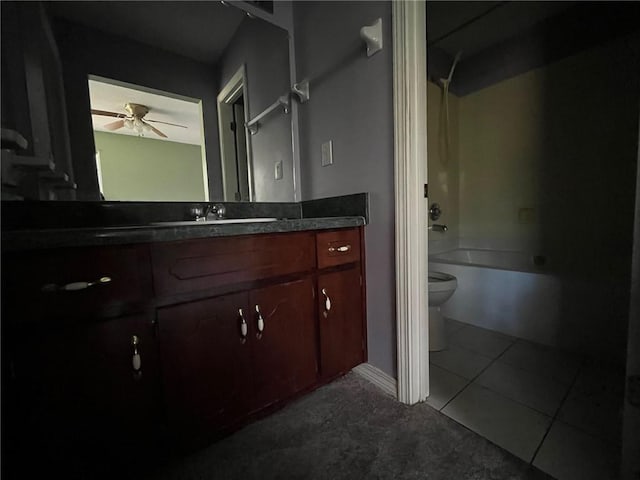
{"points": [[441, 287]]}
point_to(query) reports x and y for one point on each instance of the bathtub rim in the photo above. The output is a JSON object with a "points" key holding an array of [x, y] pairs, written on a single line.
{"points": [[532, 268]]}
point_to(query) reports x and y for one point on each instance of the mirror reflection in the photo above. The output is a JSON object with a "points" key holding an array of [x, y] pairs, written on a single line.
{"points": [[156, 97], [150, 149]]}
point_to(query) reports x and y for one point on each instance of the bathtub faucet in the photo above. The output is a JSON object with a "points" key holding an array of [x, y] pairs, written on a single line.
{"points": [[437, 228]]}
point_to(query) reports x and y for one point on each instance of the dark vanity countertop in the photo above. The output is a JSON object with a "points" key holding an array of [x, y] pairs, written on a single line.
{"points": [[17, 240]]}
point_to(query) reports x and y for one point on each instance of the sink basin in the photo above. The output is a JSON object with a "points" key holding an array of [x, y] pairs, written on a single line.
{"points": [[217, 222]]}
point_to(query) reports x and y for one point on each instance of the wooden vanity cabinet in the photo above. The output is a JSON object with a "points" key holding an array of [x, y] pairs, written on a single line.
{"points": [[69, 385], [340, 321], [225, 357], [73, 393], [284, 358], [206, 364], [229, 354], [340, 301], [34, 282], [85, 374], [214, 264], [225, 327]]}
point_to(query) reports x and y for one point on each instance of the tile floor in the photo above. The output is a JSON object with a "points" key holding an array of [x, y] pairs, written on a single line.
{"points": [[550, 408]]}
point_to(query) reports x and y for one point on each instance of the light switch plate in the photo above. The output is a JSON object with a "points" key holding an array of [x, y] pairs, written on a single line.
{"points": [[278, 170], [327, 153]]}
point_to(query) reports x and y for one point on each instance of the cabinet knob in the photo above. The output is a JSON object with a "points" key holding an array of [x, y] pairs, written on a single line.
{"points": [[243, 324], [260, 319], [135, 361], [52, 287], [342, 248], [327, 300]]}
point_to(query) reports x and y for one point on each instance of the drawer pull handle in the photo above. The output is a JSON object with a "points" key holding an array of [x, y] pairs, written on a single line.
{"points": [[243, 324], [52, 287], [342, 248], [260, 319], [135, 361], [327, 300]]}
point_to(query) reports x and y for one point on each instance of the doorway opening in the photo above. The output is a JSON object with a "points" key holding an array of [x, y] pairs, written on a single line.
{"points": [[234, 148]]}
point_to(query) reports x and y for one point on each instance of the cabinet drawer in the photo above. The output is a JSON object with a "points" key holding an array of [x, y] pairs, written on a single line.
{"points": [[67, 282], [214, 262], [338, 247]]}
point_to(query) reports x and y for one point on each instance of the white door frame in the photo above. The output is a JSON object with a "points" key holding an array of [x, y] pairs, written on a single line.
{"points": [[410, 165], [233, 89]]}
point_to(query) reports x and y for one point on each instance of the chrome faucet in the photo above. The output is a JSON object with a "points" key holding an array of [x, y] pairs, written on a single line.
{"points": [[208, 212], [437, 227], [214, 212], [199, 213]]}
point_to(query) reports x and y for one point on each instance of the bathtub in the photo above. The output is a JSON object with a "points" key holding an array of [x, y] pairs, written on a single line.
{"points": [[503, 291]]}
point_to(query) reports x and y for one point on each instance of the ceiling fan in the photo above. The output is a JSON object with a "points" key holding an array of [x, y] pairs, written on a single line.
{"points": [[134, 119]]}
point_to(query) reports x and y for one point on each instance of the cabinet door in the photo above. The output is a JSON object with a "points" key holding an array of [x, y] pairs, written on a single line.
{"points": [[205, 365], [284, 358], [340, 321], [75, 391]]}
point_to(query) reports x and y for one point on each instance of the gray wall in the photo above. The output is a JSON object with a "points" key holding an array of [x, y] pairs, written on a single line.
{"points": [[352, 104], [264, 49], [86, 51]]}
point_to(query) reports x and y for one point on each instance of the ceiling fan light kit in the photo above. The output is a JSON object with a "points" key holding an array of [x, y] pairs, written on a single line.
{"points": [[134, 120]]}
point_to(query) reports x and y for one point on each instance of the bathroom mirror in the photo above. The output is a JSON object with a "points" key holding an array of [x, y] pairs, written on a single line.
{"points": [[127, 138]]}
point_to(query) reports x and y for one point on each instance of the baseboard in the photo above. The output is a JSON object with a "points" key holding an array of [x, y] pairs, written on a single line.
{"points": [[380, 379]]}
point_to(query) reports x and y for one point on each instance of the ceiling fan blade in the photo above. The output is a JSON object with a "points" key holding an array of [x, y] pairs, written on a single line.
{"points": [[114, 125], [107, 114], [155, 130], [165, 123]]}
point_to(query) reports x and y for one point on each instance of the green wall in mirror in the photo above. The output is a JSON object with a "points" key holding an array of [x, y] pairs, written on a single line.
{"points": [[134, 168]]}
